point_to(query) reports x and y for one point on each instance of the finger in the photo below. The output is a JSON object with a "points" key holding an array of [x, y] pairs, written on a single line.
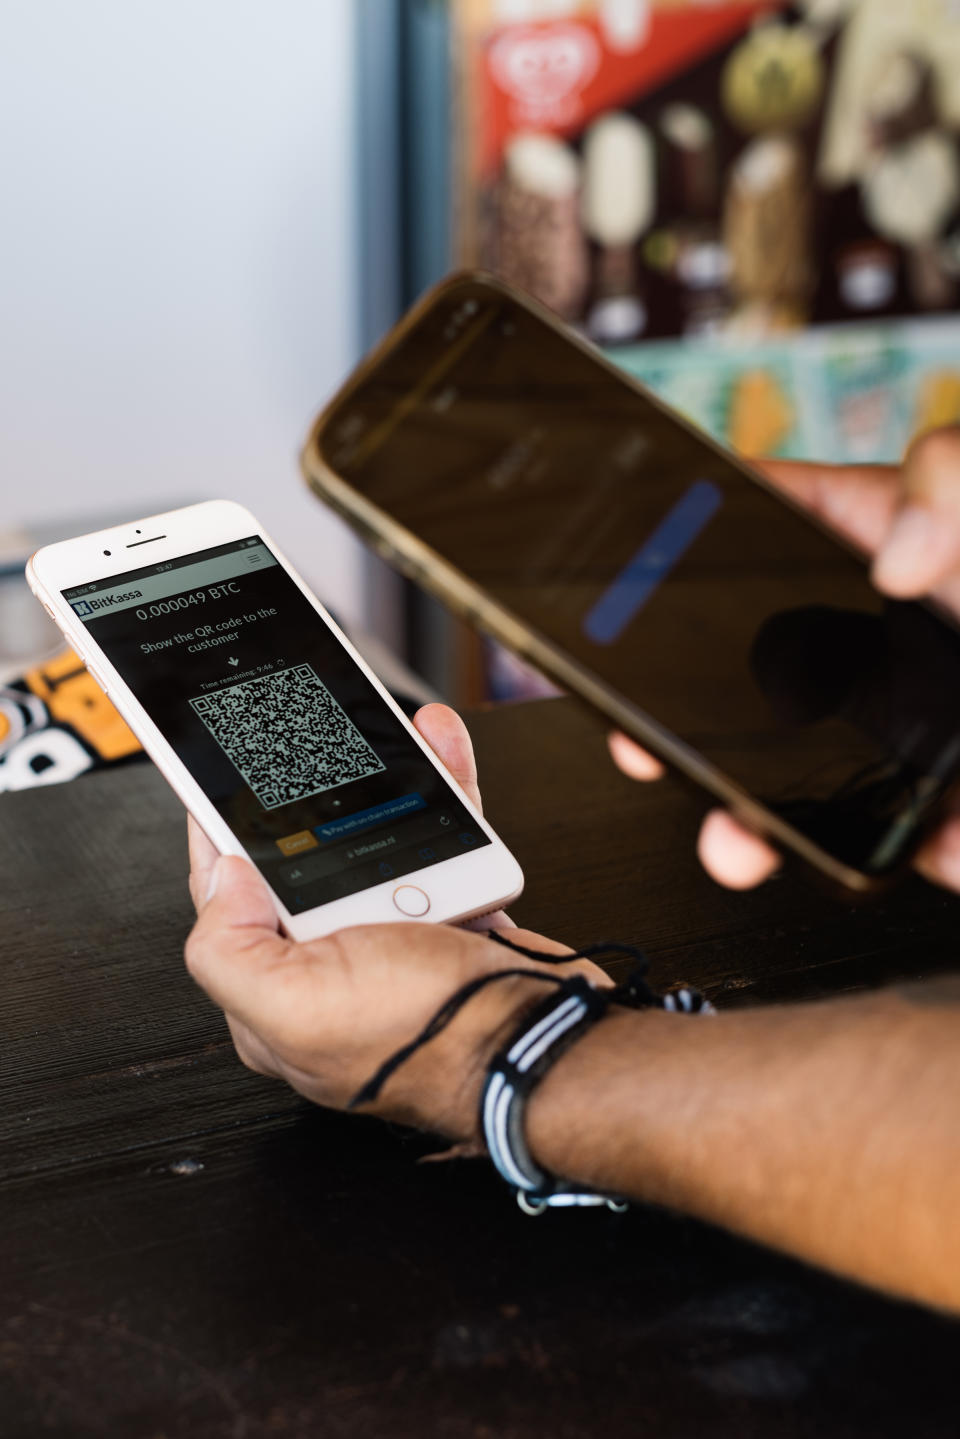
{"points": [[732, 855], [203, 856], [499, 919], [539, 942], [858, 501], [635, 762], [529, 939], [449, 738], [922, 547], [939, 857]]}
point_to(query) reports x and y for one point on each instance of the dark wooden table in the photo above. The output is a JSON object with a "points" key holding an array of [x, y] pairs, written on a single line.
{"points": [[189, 1250]]}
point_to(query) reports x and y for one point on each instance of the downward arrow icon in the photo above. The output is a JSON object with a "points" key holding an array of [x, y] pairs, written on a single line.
{"points": [[232, 661]]}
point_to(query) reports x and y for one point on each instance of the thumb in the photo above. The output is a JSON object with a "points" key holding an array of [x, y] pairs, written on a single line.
{"points": [[238, 889], [236, 933], [922, 547]]}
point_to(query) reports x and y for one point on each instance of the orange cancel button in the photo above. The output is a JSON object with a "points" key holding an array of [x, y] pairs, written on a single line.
{"points": [[297, 843]]}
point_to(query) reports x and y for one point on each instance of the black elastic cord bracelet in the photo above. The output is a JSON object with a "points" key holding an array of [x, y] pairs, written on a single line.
{"points": [[546, 1033]]}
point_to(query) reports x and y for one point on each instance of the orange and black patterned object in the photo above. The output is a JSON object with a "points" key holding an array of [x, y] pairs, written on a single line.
{"points": [[56, 723]]}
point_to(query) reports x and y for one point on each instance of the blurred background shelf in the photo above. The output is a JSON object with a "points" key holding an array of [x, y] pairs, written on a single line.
{"points": [[213, 212]]}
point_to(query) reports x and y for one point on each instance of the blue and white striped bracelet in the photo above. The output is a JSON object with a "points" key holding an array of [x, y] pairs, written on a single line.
{"points": [[547, 1032]]}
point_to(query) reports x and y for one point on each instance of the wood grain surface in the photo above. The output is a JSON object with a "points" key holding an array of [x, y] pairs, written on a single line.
{"points": [[189, 1250]]}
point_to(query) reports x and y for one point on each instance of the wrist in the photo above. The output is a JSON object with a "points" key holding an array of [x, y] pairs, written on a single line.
{"points": [[543, 1036], [603, 1073], [488, 1022]]}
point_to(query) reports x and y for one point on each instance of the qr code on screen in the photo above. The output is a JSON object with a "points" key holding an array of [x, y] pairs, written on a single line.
{"points": [[287, 736]]}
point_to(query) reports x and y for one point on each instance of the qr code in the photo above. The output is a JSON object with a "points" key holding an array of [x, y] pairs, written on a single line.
{"points": [[287, 735]]}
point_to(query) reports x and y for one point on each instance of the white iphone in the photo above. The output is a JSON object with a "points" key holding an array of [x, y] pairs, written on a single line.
{"points": [[268, 724]]}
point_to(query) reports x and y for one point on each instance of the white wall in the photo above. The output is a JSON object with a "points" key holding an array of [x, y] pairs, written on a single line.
{"points": [[177, 253]]}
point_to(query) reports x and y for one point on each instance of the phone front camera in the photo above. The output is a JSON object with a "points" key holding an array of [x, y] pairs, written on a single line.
{"points": [[106, 552]]}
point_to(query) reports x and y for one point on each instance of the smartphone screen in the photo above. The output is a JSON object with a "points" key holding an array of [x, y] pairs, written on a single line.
{"points": [[310, 769], [661, 568]]}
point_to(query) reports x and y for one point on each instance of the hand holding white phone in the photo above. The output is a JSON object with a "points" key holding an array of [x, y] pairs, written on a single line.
{"points": [[267, 723]]}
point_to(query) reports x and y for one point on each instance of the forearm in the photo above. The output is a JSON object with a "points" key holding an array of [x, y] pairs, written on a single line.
{"points": [[831, 1131]]}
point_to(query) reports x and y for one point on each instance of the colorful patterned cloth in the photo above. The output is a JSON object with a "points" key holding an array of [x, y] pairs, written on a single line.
{"points": [[56, 723]]}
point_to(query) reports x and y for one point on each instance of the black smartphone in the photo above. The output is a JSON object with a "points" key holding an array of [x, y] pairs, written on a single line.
{"points": [[498, 458]]}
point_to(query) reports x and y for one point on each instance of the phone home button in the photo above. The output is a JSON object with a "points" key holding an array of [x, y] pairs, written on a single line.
{"points": [[411, 901]]}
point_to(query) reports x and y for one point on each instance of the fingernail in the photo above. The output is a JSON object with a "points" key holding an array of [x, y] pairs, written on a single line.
{"points": [[918, 544], [214, 880]]}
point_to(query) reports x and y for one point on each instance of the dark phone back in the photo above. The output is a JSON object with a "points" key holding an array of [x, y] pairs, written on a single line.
{"points": [[528, 481]]}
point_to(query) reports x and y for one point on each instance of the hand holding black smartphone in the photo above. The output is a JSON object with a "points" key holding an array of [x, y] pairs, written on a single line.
{"points": [[498, 458]]}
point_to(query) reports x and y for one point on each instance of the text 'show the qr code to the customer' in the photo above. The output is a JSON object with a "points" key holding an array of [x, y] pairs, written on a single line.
{"points": [[287, 735]]}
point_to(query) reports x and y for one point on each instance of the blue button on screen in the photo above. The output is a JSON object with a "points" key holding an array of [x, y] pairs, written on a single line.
{"points": [[365, 818], [621, 601]]}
